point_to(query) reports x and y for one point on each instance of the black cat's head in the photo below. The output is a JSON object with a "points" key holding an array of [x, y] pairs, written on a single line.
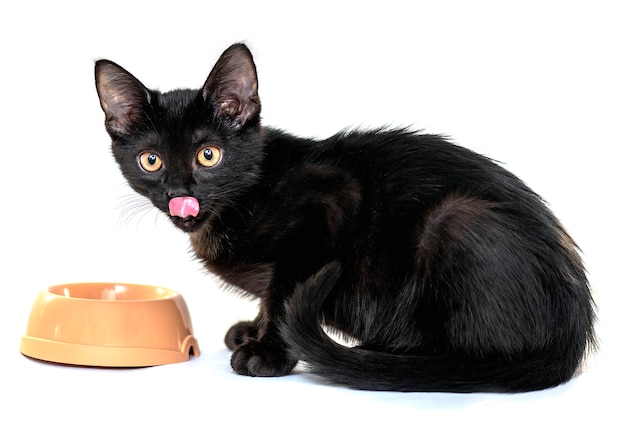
{"points": [[191, 152]]}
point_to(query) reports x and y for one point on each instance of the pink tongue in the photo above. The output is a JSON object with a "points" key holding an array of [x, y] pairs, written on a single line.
{"points": [[184, 206]]}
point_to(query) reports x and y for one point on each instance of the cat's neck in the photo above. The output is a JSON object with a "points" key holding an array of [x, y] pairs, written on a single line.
{"points": [[207, 244]]}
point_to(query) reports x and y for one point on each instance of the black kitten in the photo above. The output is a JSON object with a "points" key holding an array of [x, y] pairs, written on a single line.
{"points": [[449, 271]]}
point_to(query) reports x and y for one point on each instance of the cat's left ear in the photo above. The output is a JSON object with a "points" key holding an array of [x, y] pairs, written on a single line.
{"points": [[232, 87]]}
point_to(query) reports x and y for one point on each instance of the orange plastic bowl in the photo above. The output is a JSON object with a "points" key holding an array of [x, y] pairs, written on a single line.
{"points": [[109, 325]]}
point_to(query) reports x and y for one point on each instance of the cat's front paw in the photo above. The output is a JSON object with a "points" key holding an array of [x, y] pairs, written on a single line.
{"points": [[240, 333], [254, 358]]}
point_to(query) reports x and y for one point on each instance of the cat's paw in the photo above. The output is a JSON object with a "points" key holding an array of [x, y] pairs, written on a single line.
{"points": [[240, 333], [254, 358]]}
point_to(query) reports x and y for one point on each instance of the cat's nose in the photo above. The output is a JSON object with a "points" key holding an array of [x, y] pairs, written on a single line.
{"points": [[177, 191]]}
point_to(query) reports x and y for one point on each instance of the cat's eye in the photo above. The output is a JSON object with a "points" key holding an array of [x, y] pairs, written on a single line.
{"points": [[150, 161], [209, 156]]}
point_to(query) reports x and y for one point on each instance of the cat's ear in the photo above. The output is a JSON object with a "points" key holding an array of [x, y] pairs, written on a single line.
{"points": [[122, 97], [232, 87]]}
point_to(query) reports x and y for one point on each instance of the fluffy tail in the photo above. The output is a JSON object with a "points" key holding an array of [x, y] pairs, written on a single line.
{"points": [[369, 370]]}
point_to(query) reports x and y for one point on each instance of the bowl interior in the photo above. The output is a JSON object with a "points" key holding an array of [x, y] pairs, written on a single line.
{"points": [[112, 292]]}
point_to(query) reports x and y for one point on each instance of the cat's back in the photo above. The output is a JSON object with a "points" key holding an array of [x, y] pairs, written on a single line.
{"points": [[370, 151], [402, 163]]}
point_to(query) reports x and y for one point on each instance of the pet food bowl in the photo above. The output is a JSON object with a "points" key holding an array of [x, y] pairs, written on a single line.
{"points": [[109, 325]]}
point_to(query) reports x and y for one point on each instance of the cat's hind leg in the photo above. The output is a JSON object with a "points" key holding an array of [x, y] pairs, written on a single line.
{"points": [[484, 279]]}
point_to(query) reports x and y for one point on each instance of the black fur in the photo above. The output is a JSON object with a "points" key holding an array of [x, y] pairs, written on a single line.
{"points": [[449, 271]]}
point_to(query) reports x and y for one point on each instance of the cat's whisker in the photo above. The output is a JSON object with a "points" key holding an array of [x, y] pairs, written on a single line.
{"points": [[132, 206], [154, 128], [232, 198], [233, 203]]}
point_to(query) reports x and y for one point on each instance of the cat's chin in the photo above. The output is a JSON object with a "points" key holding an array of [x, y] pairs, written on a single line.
{"points": [[188, 224]]}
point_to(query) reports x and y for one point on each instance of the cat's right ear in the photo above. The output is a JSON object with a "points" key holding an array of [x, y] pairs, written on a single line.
{"points": [[122, 97]]}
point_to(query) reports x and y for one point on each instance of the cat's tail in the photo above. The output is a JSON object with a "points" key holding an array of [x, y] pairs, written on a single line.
{"points": [[371, 370]]}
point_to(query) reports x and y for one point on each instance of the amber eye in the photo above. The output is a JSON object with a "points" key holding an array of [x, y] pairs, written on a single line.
{"points": [[150, 161], [209, 156]]}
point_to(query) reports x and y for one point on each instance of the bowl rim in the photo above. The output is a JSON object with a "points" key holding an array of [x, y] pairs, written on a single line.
{"points": [[168, 293]]}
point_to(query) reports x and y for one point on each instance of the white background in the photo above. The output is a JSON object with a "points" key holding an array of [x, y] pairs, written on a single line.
{"points": [[538, 86]]}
